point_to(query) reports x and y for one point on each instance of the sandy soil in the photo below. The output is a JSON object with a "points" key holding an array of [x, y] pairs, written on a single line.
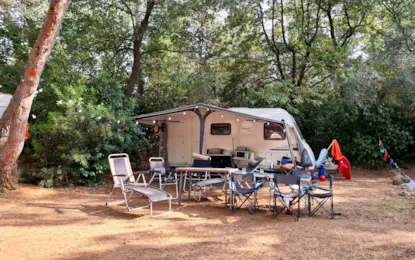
{"points": [[375, 223]]}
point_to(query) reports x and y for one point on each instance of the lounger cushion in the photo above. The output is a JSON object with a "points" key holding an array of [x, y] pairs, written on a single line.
{"points": [[199, 156], [153, 194]]}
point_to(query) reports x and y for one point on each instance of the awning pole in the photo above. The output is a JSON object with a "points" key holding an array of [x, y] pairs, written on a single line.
{"points": [[202, 120], [287, 133]]}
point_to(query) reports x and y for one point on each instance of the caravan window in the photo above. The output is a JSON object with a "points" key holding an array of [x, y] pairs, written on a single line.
{"points": [[220, 129], [274, 132]]}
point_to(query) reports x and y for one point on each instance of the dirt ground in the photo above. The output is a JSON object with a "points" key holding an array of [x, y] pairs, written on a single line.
{"points": [[73, 223]]}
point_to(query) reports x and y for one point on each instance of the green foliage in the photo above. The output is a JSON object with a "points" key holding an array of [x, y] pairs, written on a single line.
{"points": [[73, 141], [359, 130], [357, 83]]}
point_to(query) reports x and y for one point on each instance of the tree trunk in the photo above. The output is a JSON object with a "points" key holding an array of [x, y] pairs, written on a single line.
{"points": [[136, 76], [136, 71], [13, 125]]}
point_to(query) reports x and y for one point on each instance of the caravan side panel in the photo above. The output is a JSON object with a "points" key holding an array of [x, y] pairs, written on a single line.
{"points": [[182, 138]]}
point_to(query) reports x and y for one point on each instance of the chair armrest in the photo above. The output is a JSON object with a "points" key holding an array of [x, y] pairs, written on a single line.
{"points": [[119, 175], [320, 188], [153, 171], [259, 183]]}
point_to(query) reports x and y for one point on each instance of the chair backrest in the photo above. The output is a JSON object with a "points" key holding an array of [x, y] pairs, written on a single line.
{"points": [[302, 172], [202, 163], [254, 164], [286, 179], [286, 160], [156, 163], [120, 165], [236, 177], [304, 175]]}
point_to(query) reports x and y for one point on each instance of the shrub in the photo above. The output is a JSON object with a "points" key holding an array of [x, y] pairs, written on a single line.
{"points": [[72, 143]]}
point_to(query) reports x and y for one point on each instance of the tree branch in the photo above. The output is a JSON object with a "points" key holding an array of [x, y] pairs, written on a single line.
{"points": [[272, 46]]}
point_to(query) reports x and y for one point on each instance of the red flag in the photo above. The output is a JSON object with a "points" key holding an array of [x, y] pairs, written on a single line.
{"points": [[385, 156]]}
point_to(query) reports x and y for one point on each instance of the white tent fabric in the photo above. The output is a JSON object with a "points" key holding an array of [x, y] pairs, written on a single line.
{"points": [[4, 102], [277, 114]]}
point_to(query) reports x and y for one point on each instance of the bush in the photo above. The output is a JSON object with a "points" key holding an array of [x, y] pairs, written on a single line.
{"points": [[71, 145], [359, 130]]}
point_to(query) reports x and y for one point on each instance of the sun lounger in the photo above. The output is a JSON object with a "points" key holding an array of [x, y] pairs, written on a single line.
{"points": [[124, 179]]}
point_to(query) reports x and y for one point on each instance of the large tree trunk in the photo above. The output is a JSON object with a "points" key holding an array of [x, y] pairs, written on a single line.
{"points": [[136, 71], [13, 125], [136, 76]]}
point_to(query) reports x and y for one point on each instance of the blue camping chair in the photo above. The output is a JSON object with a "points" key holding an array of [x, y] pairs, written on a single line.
{"points": [[286, 164], [241, 194]]}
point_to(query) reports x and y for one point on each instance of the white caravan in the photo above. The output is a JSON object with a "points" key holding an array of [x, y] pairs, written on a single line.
{"points": [[240, 133]]}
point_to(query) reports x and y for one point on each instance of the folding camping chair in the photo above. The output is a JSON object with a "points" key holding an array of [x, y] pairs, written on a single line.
{"points": [[287, 199], [123, 177], [253, 166], [159, 173], [198, 176], [304, 175], [286, 164], [243, 194], [320, 198], [202, 187]]}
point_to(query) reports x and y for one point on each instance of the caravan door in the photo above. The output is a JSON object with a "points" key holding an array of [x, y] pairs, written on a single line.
{"points": [[176, 148]]}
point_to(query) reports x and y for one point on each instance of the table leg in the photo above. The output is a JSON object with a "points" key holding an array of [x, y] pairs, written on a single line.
{"points": [[190, 184], [180, 187]]}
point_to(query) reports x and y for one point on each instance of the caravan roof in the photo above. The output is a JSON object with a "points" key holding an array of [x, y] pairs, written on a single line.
{"points": [[276, 114], [266, 114]]}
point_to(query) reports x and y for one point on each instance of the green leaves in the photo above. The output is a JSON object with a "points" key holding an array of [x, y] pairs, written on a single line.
{"points": [[357, 74], [79, 135]]}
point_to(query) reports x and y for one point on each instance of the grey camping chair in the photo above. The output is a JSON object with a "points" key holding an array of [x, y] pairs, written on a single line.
{"points": [[305, 182], [287, 199], [123, 177], [241, 196], [203, 185], [253, 166], [320, 196], [198, 176], [162, 175]]}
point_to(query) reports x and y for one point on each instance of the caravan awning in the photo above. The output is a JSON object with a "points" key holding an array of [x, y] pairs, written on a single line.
{"points": [[273, 115]]}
